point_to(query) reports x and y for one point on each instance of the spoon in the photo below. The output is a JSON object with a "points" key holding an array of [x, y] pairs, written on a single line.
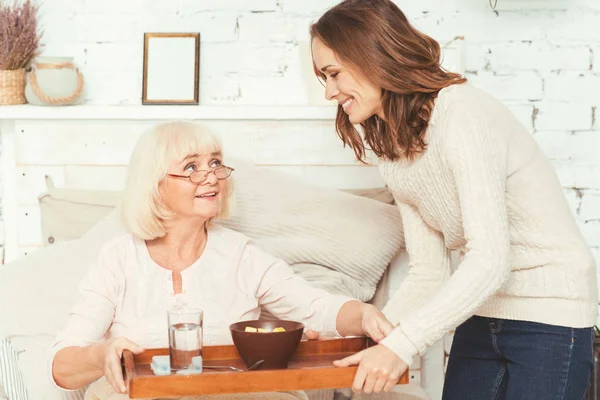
{"points": [[252, 367]]}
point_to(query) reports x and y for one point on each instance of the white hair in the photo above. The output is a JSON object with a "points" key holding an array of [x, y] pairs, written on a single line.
{"points": [[142, 211]]}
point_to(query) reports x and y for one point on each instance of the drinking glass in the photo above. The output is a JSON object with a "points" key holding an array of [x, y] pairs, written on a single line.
{"points": [[185, 338]]}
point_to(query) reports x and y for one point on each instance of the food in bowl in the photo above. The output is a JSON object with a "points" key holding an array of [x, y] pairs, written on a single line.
{"points": [[263, 330], [275, 347]]}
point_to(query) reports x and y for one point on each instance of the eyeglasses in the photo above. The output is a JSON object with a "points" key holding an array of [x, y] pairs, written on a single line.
{"points": [[222, 172]]}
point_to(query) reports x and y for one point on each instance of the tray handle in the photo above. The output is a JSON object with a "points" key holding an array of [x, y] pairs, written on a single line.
{"points": [[128, 366]]}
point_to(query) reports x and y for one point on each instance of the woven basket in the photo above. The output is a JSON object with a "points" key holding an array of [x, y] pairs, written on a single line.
{"points": [[12, 87]]}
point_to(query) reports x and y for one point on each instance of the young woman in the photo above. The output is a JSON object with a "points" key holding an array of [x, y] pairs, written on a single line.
{"points": [[467, 177]]}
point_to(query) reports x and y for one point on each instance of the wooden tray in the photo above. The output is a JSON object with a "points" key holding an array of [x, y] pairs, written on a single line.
{"points": [[310, 368]]}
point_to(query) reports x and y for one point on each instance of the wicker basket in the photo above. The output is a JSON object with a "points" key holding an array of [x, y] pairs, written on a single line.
{"points": [[12, 87]]}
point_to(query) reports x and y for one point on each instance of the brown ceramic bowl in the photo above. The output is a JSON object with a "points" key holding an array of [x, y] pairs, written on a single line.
{"points": [[276, 348]]}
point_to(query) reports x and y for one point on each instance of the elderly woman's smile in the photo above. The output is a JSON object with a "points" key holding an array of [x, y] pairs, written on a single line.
{"points": [[207, 195]]}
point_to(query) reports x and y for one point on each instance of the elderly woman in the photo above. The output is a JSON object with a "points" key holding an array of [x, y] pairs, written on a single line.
{"points": [[173, 255]]}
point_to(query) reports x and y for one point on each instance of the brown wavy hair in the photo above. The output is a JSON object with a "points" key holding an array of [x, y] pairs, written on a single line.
{"points": [[376, 37]]}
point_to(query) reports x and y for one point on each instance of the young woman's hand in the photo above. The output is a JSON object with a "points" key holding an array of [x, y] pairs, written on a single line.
{"points": [[113, 350], [375, 324], [379, 369]]}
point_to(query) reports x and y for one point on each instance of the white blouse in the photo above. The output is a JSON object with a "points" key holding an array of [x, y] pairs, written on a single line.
{"points": [[127, 294]]}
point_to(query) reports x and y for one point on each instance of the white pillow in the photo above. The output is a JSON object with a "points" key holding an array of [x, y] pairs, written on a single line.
{"points": [[67, 214], [38, 291], [354, 237]]}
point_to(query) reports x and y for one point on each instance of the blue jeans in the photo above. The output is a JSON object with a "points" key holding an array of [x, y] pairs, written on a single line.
{"points": [[500, 359]]}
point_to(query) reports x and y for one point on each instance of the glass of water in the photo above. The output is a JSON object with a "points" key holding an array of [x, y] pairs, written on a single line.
{"points": [[185, 338]]}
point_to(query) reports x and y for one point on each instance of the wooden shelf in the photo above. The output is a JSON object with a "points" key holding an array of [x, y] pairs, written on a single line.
{"points": [[153, 112]]}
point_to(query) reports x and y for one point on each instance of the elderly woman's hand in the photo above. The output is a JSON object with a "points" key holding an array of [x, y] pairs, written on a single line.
{"points": [[375, 324], [113, 351], [311, 335], [379, 369]]}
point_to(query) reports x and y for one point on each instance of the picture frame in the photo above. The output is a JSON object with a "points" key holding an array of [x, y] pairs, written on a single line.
{"points": [[171, 68]]}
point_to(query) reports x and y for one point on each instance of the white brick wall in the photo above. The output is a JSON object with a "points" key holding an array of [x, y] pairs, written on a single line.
{"points": [[542, 58]]}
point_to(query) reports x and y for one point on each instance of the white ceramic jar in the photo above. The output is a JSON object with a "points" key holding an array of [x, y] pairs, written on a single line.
{"points": [[54, 81]]}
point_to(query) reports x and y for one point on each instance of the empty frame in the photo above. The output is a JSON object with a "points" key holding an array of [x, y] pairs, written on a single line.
{"points": [[171, 68]]}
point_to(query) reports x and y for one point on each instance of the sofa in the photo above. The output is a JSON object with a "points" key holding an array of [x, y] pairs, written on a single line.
{"points": [[347, 242]]}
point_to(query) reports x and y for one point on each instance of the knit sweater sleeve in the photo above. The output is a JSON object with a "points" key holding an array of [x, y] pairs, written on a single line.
{"points": [[429, 265], [477, 157]]}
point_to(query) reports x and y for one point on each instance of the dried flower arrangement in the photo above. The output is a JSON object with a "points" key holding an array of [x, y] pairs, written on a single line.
{"points": [[19, 36], [19, 44]]}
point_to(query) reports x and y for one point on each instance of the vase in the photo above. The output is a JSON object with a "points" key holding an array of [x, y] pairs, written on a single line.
{"points": [[12, 87], [54, 81]]}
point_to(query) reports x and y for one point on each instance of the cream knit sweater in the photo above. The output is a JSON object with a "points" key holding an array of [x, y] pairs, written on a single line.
{"points": [[484, 188]]}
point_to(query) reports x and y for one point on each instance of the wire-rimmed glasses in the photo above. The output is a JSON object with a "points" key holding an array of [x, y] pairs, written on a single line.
{"points": [[222, 172]]}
